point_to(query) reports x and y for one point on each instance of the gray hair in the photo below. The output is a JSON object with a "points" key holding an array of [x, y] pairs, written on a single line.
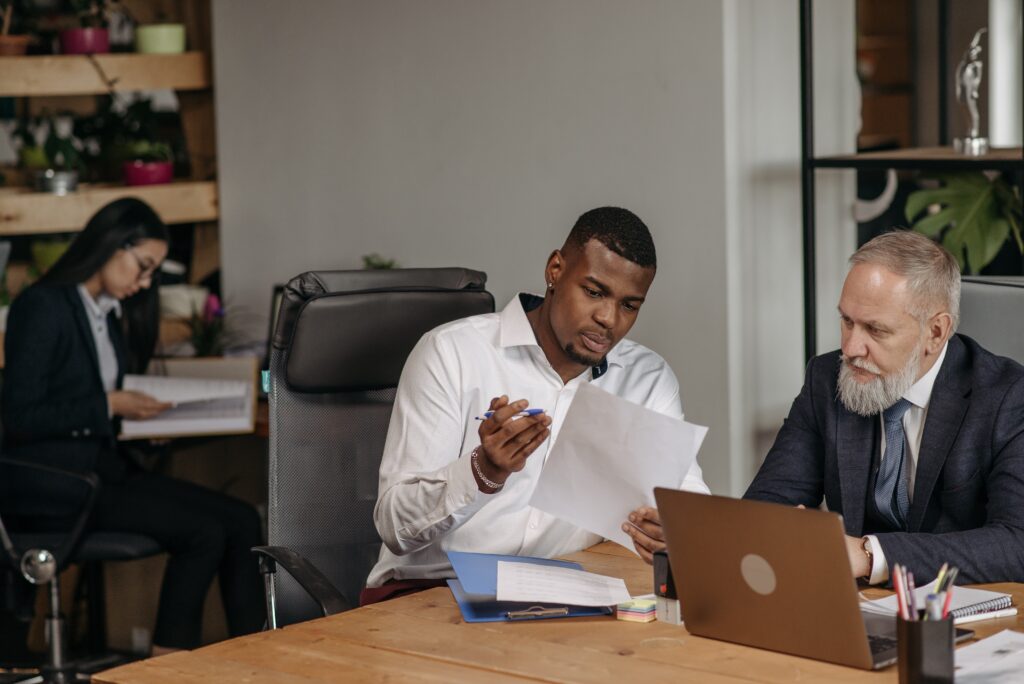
{"points": [[933, 275]]}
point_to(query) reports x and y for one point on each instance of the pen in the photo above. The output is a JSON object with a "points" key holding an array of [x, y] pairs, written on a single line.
{"points": [[910, 596], [524, 412]]}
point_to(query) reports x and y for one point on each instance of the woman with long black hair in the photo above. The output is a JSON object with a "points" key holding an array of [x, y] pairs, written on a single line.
{"points": [[70, 339]]}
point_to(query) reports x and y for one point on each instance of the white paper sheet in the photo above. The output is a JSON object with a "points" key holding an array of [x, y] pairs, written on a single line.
{"points": [[562, 586], [999, 658], [609, 456], [184, 390]]}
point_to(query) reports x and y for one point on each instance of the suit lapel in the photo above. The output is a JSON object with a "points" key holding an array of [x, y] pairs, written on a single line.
{"points": [[946, 409], [84, 329], [855, 440]]}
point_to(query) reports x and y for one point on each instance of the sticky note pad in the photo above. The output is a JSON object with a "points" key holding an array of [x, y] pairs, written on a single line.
{"points": [[637, 610]]}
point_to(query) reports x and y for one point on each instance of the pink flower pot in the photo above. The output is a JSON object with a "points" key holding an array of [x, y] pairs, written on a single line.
{"points": [[147, 173], [84, 41]]}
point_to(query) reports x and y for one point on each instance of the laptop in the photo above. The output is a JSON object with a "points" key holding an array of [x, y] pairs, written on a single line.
{"points": [[771, 576]]}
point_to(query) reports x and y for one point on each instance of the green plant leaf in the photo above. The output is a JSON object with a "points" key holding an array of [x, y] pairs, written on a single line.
{"points": [[933, 224], [920, 199], [977, 217]]}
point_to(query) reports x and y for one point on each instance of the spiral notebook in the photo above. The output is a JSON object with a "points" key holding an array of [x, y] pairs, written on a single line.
{"points": [[966, 601]]}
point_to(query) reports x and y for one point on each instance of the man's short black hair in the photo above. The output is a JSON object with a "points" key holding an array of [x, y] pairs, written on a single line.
{"points": [[620, 230]]}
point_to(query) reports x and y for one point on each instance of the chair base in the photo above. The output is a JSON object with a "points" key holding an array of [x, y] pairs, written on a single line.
{"points": [[75, 671]]}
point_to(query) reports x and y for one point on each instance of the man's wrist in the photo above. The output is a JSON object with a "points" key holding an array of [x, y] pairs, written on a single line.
{"points": [[487, 475], [869, 554]]}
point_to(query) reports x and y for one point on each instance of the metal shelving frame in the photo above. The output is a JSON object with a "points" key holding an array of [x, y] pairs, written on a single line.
{"points": [[927, 160]]}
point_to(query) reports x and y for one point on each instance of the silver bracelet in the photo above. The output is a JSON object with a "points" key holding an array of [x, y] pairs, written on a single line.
{"points": [[480, 473]]}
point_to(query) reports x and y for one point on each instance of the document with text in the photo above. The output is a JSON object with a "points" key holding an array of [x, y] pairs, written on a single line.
{"points": [[563, 586], [608, 457]]}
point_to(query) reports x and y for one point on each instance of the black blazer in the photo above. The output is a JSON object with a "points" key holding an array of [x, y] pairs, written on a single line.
{"points": [[968, 506], [53, 404]]}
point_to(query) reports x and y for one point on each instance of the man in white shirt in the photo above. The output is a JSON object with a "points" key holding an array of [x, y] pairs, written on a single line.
{"points": [[913, 433], [450, 481]]}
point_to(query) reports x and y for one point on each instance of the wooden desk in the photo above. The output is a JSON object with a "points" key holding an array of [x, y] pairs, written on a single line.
{"points": [[422, 638]]}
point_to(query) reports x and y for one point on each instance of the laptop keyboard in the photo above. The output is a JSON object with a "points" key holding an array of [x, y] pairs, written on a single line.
{"points": [[880, 644]]}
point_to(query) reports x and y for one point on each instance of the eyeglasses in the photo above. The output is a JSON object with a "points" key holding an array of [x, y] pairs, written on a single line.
{"points": [[146, 269]]}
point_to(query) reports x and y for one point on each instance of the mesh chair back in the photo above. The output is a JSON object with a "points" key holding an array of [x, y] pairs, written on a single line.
{"points": [[341, 340], [992, 312]]}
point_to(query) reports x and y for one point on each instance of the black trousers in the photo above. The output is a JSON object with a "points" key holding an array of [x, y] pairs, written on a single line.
{"points": [[207, 534]]}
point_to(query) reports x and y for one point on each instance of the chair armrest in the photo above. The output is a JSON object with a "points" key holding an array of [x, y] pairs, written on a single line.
{"points": [[74, 535], [306, 574]]}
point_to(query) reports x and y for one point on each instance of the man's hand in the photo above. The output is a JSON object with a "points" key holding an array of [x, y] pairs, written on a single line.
{"points": [[135, 405], [644, 527], [859, 561], [507, 441]]}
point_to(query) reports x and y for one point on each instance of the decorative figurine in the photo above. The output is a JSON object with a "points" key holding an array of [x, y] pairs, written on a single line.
{"points": [[968, 82]]}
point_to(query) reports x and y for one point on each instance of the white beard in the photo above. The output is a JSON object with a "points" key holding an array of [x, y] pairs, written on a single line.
{"points": [[874, 396]]}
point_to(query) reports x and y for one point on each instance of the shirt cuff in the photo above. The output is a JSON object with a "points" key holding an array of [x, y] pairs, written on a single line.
{"points": [[879, 566], [462, 487]]}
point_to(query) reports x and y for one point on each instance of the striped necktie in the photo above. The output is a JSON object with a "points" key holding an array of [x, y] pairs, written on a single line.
{"points": [[891, 495]]}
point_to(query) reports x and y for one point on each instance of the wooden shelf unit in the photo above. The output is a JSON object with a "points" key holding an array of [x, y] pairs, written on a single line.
{"points": [[926, 158], [23, 212], [59, 75]]}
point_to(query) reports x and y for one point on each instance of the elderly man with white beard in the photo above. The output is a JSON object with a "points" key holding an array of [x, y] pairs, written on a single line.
{"points": [[915, 434]]}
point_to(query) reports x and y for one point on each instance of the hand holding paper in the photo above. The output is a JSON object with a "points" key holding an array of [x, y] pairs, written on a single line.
{"points": [[609, 456]]}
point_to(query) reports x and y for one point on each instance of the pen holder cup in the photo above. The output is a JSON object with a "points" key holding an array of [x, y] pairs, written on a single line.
{"points": [[925, 650]]}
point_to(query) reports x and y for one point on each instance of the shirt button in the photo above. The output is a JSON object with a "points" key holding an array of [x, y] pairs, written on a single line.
{"points": [[86, 432], [533, 526], [74, 433]]}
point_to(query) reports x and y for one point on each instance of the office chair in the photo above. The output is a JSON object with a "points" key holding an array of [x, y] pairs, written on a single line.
{"points": [[338, 350], [992, 312], [40, 557]]}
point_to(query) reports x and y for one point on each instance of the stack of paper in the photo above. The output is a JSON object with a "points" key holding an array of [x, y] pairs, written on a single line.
{"points": [[491, 588], [637, 610], [999, 658]]}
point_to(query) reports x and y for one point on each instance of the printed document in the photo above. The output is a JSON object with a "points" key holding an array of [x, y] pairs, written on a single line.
{"points": [[562, 586], [999, 658], [609, 456]]}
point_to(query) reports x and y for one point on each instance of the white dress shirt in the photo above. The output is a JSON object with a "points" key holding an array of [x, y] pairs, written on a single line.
{"points": [[97, 311], [429, 501], [919, 395]]}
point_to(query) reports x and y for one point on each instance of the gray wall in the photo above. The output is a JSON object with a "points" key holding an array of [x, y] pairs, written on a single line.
{"points": [[462, 132]]}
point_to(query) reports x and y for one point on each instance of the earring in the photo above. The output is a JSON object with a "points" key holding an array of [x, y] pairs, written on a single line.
{"points": [[551, 286]]}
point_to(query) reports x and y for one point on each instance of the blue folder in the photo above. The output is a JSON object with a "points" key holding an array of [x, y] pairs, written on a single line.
{"points": [[476, 589]]}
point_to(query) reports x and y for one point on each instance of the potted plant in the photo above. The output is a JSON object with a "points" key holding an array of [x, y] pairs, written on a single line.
{"points": [[208, 334], [91, 36], [11, 44], [150, 163], [972, 215], [56, 163], [128, 142], [161, 38]]}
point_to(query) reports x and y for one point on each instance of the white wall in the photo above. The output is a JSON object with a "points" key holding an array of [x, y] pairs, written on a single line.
{"points": [[462, 132]]}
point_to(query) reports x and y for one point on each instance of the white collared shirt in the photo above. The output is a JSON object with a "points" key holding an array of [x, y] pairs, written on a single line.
{"points": [[428, 499], [97, 310], [919, 395]]}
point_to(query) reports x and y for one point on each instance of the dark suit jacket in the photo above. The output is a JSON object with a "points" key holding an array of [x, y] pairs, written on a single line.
{"points": [[968, 505], [54, 406]]}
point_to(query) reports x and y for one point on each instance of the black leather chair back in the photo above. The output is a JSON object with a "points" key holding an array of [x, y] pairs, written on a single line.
{"points": [[337, 352]]}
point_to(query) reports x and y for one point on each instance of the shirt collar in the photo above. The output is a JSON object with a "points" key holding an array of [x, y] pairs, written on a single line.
{"points": [[920, 393], [516, 330], [102, 305]]}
